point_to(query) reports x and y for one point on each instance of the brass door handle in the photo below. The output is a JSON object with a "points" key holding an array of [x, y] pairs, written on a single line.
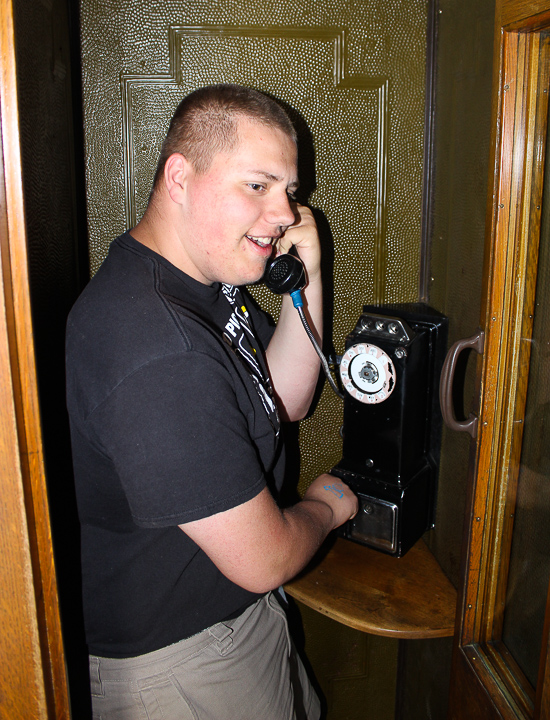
{"points": [[476, 342]]}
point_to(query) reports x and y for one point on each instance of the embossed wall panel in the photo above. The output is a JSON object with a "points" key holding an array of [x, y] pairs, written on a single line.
{"points": [[353, 73], [462, 143]]}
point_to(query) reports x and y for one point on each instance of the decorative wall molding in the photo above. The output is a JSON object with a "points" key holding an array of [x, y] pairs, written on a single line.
{"points": [[336, 36]]}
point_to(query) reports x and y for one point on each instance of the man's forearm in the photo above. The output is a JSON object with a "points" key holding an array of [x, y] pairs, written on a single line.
{"points": [[259, 546], [308, 524], [291, 357]]}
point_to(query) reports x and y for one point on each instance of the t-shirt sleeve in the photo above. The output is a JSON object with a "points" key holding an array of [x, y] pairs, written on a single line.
{"points": [[180, 440]]}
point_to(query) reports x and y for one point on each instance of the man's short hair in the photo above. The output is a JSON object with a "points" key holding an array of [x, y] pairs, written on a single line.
{"points": [[205, 123]]}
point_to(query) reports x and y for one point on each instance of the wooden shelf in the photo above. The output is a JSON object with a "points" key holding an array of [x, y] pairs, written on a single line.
{"points": [[406, 597]]}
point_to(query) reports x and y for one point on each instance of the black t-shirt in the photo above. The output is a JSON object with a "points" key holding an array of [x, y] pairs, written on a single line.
{"points": [[172, 420]]}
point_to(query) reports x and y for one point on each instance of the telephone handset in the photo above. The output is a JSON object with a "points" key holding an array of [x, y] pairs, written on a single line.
{"points": [[285, 274]]}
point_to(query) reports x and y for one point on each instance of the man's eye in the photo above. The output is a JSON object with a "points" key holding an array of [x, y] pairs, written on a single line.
{"points": [[291, 196], [257, 187]]}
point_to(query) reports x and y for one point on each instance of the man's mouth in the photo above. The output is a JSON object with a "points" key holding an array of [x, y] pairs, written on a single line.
{"points": [[260, 241]]}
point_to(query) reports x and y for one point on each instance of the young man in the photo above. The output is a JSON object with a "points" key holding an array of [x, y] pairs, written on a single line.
{"points": [[176, 388]]}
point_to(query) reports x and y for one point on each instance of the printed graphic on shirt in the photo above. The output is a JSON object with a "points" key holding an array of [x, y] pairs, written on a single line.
{"points": [[238, 332]]}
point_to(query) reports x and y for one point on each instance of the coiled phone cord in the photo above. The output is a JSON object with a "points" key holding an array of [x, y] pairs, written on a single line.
{"points": [[298, 304]]}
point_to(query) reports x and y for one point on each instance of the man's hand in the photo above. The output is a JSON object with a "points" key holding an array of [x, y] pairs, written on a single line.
{"points": [[335, 493], [303, 234]]}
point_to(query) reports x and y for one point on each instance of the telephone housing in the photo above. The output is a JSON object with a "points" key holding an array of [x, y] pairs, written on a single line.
{"points": [[391, 437]]}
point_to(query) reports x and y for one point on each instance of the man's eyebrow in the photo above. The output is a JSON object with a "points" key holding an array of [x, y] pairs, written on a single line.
{"points": [[294, 185]]}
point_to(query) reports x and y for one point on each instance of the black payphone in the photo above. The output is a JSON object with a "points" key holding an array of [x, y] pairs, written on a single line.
{"points": [[392, 423]]}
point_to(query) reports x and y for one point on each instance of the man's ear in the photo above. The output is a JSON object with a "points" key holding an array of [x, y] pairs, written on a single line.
{"points": [[176, 171]]}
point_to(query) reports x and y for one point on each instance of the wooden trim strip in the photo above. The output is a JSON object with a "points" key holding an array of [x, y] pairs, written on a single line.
{"points": [[18, 342]]}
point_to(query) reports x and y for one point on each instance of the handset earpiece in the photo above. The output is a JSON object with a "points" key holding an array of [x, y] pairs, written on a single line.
{"points": [[285, 274]]}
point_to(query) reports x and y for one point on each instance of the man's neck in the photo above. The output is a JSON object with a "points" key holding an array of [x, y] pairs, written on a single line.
{"points": [[157, 231], [149, 230]]}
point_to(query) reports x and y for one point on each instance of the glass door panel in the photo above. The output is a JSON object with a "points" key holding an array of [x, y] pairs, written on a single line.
{"points": [[529, 569]]}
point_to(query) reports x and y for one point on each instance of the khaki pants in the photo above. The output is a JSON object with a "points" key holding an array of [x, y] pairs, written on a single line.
{"points": [[242, 669]]}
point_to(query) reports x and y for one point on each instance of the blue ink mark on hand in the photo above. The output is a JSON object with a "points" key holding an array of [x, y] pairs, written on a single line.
{"points": [[336, 488]]}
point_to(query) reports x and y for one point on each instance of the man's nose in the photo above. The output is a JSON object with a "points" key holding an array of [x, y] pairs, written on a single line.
{"points": [[280, 212]]}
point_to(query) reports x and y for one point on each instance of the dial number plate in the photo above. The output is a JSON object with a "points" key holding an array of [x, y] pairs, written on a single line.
{"points": [[367, 373]]}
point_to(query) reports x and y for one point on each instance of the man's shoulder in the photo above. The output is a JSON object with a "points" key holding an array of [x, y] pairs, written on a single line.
{"points": [[120, 322], [123, 321], [119, 275], [120, 305]]}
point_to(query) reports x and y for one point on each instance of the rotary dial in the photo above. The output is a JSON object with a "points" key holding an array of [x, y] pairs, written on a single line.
{"points": [[367, 373]]}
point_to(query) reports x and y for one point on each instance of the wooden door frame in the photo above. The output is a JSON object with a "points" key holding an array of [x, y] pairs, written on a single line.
{"points": [[32, 677], [520, 108]]}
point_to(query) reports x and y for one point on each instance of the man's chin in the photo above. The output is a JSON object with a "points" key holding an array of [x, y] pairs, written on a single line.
{"points": [[258, 281], [249, 274], [257, 277]]}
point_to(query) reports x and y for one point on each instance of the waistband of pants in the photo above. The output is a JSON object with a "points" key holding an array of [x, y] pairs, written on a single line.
{"points": [[240, 611], [158, 661]]}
